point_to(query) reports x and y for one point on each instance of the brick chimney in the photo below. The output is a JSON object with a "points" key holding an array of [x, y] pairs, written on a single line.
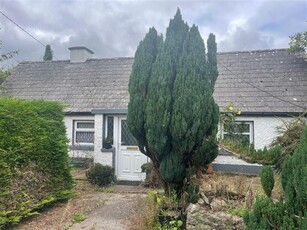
{"points": [[80, 54]]}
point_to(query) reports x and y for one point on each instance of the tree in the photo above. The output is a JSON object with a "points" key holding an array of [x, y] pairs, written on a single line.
{"points": [[171, 111], [8, 55], [48, 54], [212, 60], [4, 74], [298, 42]]}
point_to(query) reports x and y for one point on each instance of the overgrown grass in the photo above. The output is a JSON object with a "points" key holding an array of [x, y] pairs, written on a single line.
{"points": [[145, 215]]}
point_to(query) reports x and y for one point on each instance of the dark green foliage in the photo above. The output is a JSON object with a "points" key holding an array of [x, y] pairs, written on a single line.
{"points": [[171, 112], [101, 175], [212, 60], [267, 180], [48, 56], [145, 56], [33, 151], [193, 193], [291, 212]]}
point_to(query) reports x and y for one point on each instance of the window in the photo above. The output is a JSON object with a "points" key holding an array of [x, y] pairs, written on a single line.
{"points": [[84, 132], [242, 131], [109, 126]]}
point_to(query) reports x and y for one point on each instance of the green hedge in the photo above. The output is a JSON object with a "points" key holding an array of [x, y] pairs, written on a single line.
{"points": [[33, 157]]}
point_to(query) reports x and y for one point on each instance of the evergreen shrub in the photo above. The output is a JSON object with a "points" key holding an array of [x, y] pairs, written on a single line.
{"points": [[267, 180], [193, 193], [172, 112], [33, 157], [290, 211], [101, 175]]}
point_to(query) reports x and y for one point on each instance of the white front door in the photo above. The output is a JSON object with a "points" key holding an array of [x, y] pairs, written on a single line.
{"points": [[130, 159]]}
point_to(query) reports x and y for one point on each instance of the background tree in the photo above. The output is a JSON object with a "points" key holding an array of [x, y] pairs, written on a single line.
{"points": [[48, 56], [4, 74], [298, 42], [172, 112], [212, 60]]}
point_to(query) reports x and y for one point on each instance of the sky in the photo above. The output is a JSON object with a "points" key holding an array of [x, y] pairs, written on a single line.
{"points": [[115, 28]]}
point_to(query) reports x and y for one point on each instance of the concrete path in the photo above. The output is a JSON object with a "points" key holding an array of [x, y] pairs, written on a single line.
{"points": [[227, 162], [114, 214]]}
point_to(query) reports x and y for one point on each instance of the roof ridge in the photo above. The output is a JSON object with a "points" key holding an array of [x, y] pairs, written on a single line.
{"points": [[253, 51], [111, 58], [118, 58], [67, 60]]}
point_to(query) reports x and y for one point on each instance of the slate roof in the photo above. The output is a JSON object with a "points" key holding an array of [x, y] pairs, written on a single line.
{"points": [[264, 81], [271, 81]]}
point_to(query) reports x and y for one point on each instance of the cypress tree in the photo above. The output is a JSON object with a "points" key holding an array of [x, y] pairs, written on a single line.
{"points": [[48, 56], [212, 60], [172, 112]]}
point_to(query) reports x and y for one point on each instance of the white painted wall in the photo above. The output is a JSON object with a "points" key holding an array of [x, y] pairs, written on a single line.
{"points": [[104, 158], [69, 132], [264, 129]]}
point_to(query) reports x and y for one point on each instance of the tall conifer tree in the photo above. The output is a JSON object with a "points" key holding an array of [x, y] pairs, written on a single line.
{"points": [[48, 56], [212, 60], [172, 112]]}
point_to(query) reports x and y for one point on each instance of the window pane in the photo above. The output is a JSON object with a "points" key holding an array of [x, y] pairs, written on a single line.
{"points": [[237, 127], [127, 138], [244, 139], [84, 137], [110, 122], [85, 125], [242, 128]]}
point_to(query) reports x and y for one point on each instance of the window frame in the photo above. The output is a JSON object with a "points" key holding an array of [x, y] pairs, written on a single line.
{"points": [[76, 130], [250, 133]]}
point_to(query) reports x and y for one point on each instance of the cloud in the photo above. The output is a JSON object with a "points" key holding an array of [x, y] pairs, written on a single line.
{"points": [[115, 28], [240, 36]]}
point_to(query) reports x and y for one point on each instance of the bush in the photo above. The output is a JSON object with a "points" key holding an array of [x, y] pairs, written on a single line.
{"points": [[267, 180], [193, 193], [290, 213], [100, 175], [264, 156], [34, 162], [289, 137]]}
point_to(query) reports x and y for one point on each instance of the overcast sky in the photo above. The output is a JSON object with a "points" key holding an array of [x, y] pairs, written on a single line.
{"points": [[115, 28]]}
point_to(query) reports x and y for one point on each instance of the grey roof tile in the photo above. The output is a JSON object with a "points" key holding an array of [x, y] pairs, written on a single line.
{"points": [[255, 81]]}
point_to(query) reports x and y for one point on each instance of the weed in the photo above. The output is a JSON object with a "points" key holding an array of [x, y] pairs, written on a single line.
{"points": [[79, 217], [145, 214], [237, 210], [108, 189], [100, 202]]}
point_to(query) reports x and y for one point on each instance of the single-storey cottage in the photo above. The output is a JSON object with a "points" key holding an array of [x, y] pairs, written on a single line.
{"points": [[267, 86]]}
